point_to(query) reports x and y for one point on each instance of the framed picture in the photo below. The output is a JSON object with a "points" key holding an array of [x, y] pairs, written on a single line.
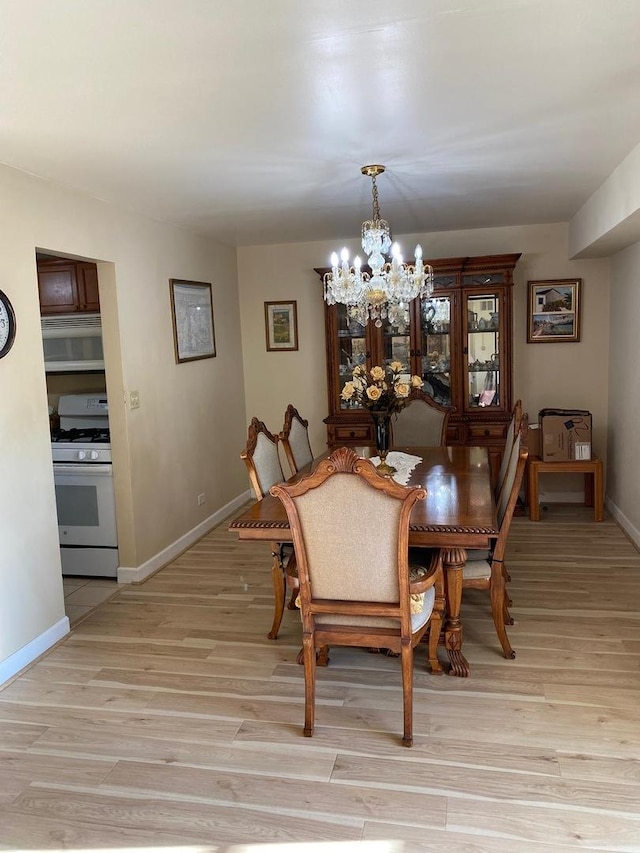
{"points": [[192, 312], [553, 312], [281, 324]]}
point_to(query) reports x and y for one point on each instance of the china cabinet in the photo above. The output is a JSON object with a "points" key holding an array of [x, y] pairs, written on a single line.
{"points": [[459, 341]]}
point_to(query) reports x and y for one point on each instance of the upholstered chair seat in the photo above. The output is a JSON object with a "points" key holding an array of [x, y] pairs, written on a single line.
{"points": [[475, 569], [478, 555]]}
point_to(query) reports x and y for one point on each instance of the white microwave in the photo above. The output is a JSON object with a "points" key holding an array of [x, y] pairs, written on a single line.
{"points": [[72, 342]]}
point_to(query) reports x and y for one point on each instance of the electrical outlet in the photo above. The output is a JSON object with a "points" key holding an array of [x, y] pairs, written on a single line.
{"points": [[134, 399], [201, 498]]}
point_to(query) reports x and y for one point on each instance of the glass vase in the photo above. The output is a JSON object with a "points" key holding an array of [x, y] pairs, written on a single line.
{"points": [[382, 424]]}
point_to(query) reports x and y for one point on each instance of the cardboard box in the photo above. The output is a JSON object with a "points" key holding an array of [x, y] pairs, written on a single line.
{"points": [[533, 440], [565, 434]]}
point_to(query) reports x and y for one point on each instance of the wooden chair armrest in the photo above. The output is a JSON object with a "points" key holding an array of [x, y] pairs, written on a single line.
{"points": [[432, 576]]}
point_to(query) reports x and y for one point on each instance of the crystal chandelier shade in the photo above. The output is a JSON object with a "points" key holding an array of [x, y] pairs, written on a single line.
{"points": [[386, 291]]}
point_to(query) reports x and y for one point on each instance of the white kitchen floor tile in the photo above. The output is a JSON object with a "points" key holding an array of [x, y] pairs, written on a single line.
{"points": [[92, 593], [71, 584]]}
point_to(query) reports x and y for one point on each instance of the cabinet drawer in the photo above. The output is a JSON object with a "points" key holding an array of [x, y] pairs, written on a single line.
{"points": [[357, 432], [487, 431]]}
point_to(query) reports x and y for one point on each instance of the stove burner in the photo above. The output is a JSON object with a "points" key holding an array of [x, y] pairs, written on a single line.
{"points": [[86, 435]]}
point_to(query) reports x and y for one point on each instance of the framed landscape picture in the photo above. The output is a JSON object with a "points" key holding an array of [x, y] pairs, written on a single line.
{"points": [[281, 325], [553, 312], [192, 314]]}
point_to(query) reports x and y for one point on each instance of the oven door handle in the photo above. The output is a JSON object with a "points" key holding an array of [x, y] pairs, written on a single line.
{"points": [[80, 470]]}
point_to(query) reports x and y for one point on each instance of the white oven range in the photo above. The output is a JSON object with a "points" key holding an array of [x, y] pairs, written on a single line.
{"points": [[83, 478]]}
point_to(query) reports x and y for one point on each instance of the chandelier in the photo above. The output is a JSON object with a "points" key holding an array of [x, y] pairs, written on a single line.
{"points": [[386, 291]]}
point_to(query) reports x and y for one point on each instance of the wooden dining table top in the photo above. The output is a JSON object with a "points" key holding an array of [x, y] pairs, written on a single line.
{"points": [[459, 508]]}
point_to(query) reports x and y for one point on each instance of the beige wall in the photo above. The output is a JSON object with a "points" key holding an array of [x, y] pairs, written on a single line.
{"points": [[569, 375], [623, 482], [184, 438], [275, 379]]}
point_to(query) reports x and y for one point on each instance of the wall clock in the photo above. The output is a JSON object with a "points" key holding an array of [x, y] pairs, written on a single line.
{"points": [[7, 325]]}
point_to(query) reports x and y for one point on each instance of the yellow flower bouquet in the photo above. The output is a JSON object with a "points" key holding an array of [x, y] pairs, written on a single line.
{"points": [[380, 389]]}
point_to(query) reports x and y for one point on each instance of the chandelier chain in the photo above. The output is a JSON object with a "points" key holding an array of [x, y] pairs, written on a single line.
{"points": [[376, 203]]}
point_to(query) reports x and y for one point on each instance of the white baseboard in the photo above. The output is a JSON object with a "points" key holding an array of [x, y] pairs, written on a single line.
{"points": [[27, 654], [139, 573], [632, 532]]}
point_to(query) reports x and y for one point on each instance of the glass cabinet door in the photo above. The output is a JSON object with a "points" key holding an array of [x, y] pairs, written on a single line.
{"points": [[435, 348], [483, 350], [353, 350], [396, 345]]}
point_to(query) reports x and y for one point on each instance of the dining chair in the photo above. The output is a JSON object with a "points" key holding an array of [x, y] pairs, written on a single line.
{"points": [[295, 439], [486, 570], [353, 566], [263, 464], [512, 432], [421, 423]]}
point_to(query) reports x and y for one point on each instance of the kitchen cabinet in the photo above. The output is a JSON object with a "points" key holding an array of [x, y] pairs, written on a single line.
{"points": [[459, 341], [67, 287]]}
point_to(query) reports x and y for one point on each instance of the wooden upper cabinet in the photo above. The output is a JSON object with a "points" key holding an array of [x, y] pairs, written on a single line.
{"points": [[58, 288], [459, 341], [66, 287], [87, 280]]}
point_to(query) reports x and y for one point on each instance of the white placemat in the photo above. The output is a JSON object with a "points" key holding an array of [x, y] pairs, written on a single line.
{"points": [[404, 463]]}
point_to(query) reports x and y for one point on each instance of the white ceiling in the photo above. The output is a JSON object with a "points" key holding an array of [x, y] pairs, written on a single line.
{"points": [[249, 120]]}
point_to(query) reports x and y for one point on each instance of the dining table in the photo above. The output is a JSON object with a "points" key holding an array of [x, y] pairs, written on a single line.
{"points": [[459, 513]]}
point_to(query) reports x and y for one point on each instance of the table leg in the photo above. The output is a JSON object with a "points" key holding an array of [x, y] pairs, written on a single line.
{"points": [[453, 560], [588, 488], [279, 590], [533, 498], [598, 489]]}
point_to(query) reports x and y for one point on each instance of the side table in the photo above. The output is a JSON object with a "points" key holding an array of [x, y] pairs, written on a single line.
{"points": [[593, 482]]}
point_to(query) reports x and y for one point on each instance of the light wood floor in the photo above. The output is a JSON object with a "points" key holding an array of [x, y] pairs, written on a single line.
{"points": [[167, 719]]}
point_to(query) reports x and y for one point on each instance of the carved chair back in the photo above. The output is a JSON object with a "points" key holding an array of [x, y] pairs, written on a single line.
{"points": [[512, 432], [261, 458], [421, 423], [295, 439]]}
